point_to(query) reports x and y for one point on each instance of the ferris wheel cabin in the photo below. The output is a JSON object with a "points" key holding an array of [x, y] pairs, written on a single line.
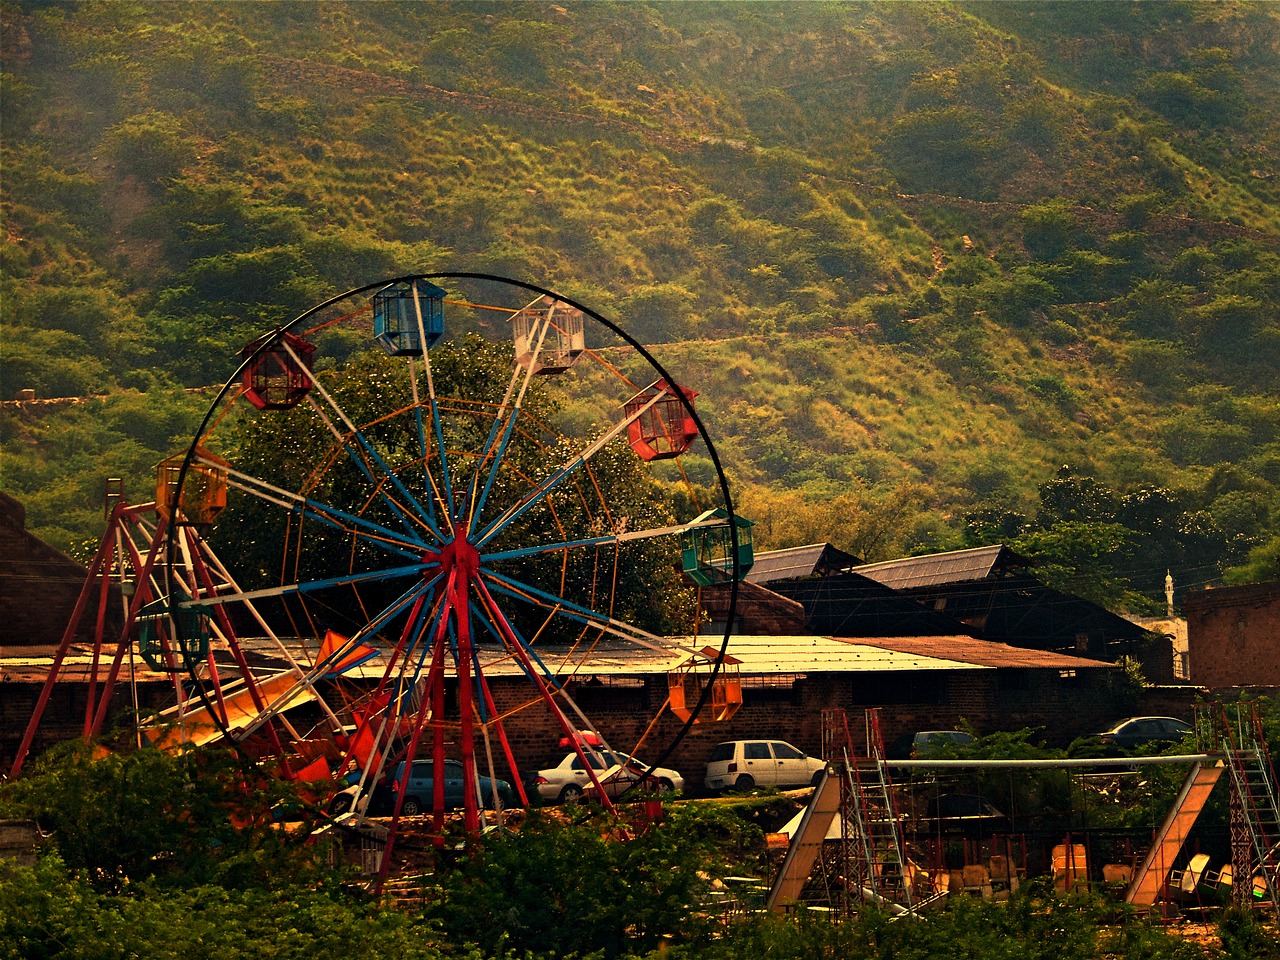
{"points": [[204, 494], [406, 313], [278, 376], [660, 427], [549, 336]]}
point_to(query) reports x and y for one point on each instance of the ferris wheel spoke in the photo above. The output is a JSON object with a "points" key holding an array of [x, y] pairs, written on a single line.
{"points": [[500, 434], [582, 614], [437, 428], [309, 586], [348, 523], [411, 519], [422, 623], [321, 668], [608, 540], [434, 494], [563, 473], [527, 657], [519, 650]]}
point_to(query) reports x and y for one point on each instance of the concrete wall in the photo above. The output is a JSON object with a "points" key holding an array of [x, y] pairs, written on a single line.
{"points": [[1233, 635]]}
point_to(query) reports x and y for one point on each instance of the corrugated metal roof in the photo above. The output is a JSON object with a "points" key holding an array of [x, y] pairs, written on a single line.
{"points": [[954, 566], [32, 665], [761, 655], [758, 655], [986, 653], [797, 562]]}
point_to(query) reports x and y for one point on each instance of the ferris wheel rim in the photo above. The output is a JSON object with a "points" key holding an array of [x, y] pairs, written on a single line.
{"points": [[268, 341]]}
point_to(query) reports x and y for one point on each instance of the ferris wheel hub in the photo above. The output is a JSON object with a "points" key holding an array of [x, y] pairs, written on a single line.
{"points": [[455, 555]]}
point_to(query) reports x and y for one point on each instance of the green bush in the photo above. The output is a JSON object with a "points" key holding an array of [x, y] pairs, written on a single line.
{"points": [[574, 888]]}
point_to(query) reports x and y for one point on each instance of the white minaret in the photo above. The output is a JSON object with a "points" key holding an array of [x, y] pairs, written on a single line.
{"points": [[1168, 591]]}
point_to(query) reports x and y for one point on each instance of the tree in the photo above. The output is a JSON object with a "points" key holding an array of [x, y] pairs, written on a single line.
{"points": [[576, 888], [125, 817], [295, 451]]}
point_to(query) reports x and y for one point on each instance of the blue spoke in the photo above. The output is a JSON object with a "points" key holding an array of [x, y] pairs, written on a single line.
{"points": [[423, 515], [392, 611], [613, 538], [574, 611], [524, 646], [438, 430], [310, 586], [493, 441], [405, 520], [538, 494], [299, 504], [424, 452]]}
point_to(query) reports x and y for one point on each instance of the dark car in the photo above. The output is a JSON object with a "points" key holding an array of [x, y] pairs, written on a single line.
{"points": [[922, 743], [419, 794], [1140, 731]]}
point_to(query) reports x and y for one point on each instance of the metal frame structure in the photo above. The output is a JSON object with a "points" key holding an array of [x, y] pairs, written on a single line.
{"points": [[438, 520]]}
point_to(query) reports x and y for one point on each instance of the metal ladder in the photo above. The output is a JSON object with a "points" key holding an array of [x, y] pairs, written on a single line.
{"points": [[876, 860], [1237, 731]]}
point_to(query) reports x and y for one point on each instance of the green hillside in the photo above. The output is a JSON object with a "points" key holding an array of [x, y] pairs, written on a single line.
{"points": [[917, 258]]}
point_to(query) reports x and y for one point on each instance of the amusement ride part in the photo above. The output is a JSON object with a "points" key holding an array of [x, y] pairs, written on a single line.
{"points": [[466, 506]]}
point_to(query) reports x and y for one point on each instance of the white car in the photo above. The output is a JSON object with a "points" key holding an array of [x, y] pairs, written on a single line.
{"points": [[747, 764], [568, 780]]}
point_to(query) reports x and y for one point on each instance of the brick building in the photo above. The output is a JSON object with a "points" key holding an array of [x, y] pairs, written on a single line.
{"points": [[1233, 635], [921, 683]]}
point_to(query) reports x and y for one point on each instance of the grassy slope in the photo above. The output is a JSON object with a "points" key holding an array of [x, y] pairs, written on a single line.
{"points": [[763, 189]]}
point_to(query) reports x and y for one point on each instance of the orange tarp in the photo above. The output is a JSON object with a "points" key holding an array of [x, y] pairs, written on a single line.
{"points": [[197, 728]]}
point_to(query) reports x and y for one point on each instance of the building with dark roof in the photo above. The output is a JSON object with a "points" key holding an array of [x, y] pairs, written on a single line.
{"points": [[991, 592], [986, 593], [794, 563]]}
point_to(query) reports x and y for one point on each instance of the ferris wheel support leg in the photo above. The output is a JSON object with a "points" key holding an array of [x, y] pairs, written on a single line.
{"points": [[502, 738], [99, 631], [203, 579], [435, 675], [82, 601], [462, 621], [143, 592], [514, 644]]}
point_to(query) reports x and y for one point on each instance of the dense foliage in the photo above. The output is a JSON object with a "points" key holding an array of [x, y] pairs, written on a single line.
{"points": [[153, 856], [915, 257], [122, 818]]}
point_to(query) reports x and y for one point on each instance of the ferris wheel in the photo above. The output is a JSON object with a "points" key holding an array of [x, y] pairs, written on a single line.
{"points": [[460, 478]]}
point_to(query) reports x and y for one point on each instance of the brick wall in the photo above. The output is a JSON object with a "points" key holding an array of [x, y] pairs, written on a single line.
{"points": [[989, 700], [63, 716], [1233, 635]]}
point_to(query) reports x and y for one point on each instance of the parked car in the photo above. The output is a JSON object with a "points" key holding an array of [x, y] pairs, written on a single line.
{"points": [[419, 794], [568, 780], [746, 764], [1138, 731], [921, 743]]}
